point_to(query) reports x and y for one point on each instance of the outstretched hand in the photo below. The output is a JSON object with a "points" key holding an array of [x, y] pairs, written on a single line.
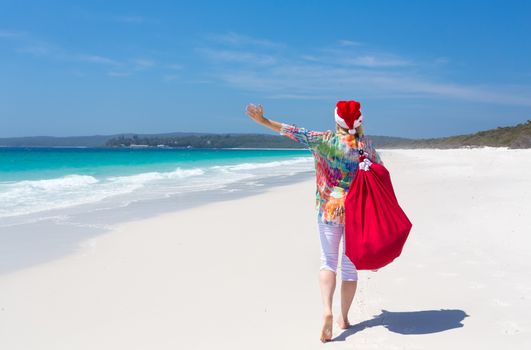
{"points": [[256, 113]]}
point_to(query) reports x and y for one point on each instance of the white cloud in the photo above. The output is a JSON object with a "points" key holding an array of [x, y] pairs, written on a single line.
{"points": [[246, 57], [97, 59], [36, 49], [375, 61], [27, 44], [142, 63], [43, 49], [10, 34], [348, 43], [118, 74], [322, 82], [123, 18], [235, 39], [346, 68]]}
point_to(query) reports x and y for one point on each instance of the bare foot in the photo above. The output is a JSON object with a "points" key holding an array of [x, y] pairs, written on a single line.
{"points": [[343, 323], [326, 332]]}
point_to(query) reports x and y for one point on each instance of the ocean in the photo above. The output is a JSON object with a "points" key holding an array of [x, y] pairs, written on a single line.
{"points": [[38, 183]]}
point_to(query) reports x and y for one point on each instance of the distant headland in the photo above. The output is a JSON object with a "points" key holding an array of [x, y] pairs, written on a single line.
{"points": [[518, 136]]}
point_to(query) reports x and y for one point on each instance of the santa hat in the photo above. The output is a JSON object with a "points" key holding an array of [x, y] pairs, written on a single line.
{"points": [[348, 115]]}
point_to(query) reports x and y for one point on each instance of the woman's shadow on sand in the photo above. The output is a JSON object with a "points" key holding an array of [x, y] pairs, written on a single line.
{"points": [[411, 322]]}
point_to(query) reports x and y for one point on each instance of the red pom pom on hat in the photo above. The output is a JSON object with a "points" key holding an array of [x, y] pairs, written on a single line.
{"points": [[348, 115]]}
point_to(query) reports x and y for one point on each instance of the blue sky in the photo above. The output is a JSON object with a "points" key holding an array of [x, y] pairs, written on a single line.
{"points": [[419, 68]]}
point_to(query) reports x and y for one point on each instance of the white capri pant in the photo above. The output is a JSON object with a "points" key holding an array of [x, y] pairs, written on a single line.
{"points": [[330, 235]]}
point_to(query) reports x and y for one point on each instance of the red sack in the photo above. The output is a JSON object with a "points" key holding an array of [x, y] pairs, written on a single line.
{"points": [[376, 228]]}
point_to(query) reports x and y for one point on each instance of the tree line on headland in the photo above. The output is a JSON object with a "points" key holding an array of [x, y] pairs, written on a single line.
{"points": [[518, 136], [205, 141]]}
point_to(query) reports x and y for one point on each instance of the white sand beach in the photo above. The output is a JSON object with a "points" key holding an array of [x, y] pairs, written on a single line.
{"points": [[242, 274]]}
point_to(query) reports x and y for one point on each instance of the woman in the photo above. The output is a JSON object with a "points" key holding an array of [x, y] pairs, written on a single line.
{"points": [[336, 155]]}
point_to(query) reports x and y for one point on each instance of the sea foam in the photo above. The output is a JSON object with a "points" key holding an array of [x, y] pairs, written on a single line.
{"points": [[34, 196]]}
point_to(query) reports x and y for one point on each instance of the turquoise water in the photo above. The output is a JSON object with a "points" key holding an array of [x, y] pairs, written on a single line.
{"points": [[36, 180], [45, 163]]}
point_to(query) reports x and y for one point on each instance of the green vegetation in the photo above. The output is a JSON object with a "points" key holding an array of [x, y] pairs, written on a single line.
{"points": [[206, 141], [518, 136]]}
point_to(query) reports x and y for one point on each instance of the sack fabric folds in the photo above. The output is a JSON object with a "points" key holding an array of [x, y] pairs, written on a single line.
{"points": [[376, 227]]}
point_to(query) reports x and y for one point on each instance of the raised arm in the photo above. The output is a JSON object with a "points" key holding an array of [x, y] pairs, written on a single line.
{"points": [[256, 113], [304, 136]]}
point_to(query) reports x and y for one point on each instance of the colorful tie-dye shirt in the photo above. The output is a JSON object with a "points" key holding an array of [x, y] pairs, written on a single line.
{"points": [[336, 158]]}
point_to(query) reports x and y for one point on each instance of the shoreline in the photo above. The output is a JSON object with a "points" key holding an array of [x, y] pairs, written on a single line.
{"points": [[61, 231]]}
